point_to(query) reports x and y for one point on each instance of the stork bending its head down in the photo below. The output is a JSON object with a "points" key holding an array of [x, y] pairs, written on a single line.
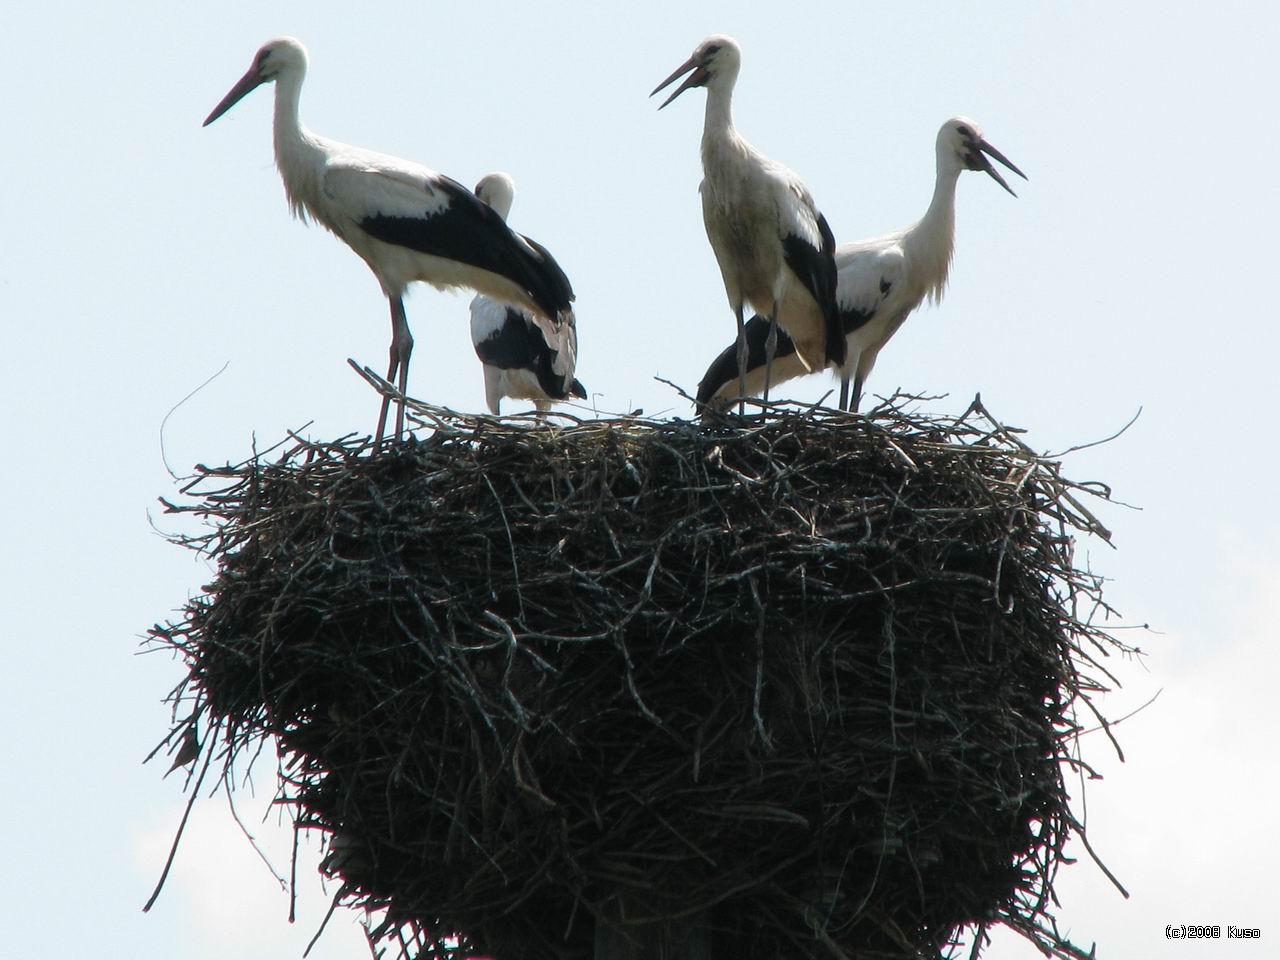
{"points": [[880, 281], [522, 359], [406, 222], [774, 248]]}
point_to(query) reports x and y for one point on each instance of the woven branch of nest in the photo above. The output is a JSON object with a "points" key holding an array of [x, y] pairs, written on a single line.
{"points": [[806, 682]]}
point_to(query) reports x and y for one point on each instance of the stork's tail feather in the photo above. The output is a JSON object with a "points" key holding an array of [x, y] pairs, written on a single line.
{"points": [[560, 358], [566, 346], [561, 337]]}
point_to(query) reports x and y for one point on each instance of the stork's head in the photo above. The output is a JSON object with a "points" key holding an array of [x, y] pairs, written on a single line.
{"points": [[283, 56], [961, 146], [497, 190], [715, 62]]}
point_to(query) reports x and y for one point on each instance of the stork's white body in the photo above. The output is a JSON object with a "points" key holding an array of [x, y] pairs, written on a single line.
{"points": [[493, 321], [488, 318], [749, 205], [536, 370], [406, 221], [888, 277], [879, 281], [339, 186]]}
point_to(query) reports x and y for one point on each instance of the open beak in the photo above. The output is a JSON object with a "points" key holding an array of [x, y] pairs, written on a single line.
{"points": [[995, 154], [695, 79], [250, 81]]}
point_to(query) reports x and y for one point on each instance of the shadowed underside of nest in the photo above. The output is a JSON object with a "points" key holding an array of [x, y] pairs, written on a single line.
{"points": [[806, 685]]}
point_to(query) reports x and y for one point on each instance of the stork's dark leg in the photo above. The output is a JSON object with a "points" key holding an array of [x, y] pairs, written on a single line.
{"points": [[844, 391], [770, 348], [742, 361], [386, 400], [858, 380], [404, 338], [398, 370]]}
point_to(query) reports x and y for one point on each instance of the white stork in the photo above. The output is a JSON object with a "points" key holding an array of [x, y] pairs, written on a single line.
{"points": [[774, 248], [406, 222], [519, 361], [880, 282]]}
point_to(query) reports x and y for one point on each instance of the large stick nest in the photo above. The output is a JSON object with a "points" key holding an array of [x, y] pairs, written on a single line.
{"points": [[812, 680]]}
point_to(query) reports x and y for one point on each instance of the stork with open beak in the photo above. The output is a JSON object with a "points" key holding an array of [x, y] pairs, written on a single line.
{"points": [[773, 246]]}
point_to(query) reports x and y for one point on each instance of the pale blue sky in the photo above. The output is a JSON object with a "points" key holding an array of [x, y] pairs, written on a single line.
{"points": [[140, 253]]}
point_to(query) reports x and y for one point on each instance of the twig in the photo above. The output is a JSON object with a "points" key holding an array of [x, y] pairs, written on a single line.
{"points": [[182, 825], [174, 409]]}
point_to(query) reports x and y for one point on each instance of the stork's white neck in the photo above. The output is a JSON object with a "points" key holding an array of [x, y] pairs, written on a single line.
{"points": [[718, 123], [296, 154], [287, 126], [931, 241], [722, 149], [941, 215]]}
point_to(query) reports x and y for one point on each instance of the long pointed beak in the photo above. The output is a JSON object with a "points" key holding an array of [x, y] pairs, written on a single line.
{"points": [[695, 79], [250, 81], [997, 155]]}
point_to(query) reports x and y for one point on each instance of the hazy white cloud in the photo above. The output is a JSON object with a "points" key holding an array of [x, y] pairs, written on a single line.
{"points": [[227, 901], [1185, 822]]}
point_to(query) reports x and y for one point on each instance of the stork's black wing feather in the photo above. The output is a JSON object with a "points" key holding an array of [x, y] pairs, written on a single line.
{"points": [[467, 229], [816, 269], [853, 318]]}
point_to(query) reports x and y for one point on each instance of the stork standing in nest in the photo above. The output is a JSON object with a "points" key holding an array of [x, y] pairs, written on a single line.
{"points": [[519, 359], [880, 282], [406, 222], [773, 246]]}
